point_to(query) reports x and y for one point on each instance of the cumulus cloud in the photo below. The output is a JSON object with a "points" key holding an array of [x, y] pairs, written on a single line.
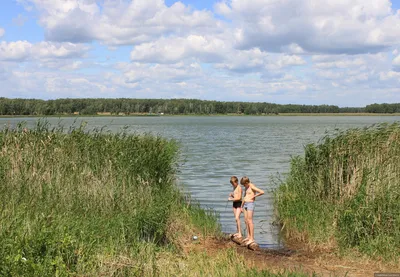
{"points": [[118, 22], [346, 26], [288, 60], [222, 8], [291, 26], [172, 50], [18, 50], [178, 72], [2, 32], [209, 49], [252, 60], [24, 50]]}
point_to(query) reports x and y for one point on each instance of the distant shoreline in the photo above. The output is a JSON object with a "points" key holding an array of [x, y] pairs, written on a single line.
{"points": [[205, 115]]}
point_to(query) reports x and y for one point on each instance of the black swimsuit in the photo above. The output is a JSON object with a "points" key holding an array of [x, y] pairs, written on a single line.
{"points": [[237, 204]]}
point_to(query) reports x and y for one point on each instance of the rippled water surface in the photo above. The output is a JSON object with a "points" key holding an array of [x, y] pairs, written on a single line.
{"points": [[215, 148]]}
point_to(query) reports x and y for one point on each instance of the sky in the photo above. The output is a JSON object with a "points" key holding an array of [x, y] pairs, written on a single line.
{"points": [[337, 52]]}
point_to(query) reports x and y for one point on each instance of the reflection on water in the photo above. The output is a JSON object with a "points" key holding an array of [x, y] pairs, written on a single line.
{"points": [[215, 148]]}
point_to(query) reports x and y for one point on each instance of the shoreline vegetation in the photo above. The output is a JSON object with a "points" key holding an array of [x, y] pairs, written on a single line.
{"points": [[93, 203], [157, 107], [343, 195], [196, 115]]}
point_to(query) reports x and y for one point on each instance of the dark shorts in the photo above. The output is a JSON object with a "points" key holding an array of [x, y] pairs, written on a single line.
{"points": [[237, 204]]}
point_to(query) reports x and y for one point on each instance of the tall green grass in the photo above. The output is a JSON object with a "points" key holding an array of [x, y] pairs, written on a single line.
{"points": [[345, 193], [70, 198]]}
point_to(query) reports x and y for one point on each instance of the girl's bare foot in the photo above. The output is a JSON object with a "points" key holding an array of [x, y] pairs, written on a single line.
{"points": [[249, 242]]}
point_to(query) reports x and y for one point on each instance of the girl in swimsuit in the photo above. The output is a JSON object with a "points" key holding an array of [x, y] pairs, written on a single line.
{"points": [[248, 205], [236, 198]]}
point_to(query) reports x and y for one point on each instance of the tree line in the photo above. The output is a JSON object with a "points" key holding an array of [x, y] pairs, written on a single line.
{"points": [[383, 108], [92, 106]]}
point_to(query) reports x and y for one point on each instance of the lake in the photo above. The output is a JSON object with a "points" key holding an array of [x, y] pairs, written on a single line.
{"points": [[216, 147]]}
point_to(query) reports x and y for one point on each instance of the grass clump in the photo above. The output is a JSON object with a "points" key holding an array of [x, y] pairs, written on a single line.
{"points": [[345, 193]]}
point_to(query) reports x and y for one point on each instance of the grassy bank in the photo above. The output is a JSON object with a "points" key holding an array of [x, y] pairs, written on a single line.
{"points": [[78, 203], [344, 194]]}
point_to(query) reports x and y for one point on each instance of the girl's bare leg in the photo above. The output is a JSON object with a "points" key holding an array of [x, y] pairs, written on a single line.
{"points": [[247, 224], [237, 212], [250, 225]]}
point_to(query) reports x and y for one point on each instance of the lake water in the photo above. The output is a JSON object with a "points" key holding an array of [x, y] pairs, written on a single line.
{"points": [[215, 148]]}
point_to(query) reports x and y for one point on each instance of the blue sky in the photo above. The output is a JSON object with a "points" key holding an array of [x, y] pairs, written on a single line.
{"points": [[198, 4], [295, 51]]}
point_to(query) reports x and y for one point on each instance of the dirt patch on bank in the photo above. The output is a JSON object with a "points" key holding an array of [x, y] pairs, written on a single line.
{"points": [[293, 259]]}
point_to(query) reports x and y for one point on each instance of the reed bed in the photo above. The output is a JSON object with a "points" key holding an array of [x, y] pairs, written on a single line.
{"points": [[344, 194], [92, 203], [70, 196]]}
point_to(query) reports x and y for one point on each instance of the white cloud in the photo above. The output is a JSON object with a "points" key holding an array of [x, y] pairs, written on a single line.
{"points": [[178, 72], [24, 50], [211, 50], [287, 60], [18, 50], [75, 85], [118, 22], [2, 32], [384, 76], [72, 66], [341, 63], [290, 26], [293, 48], [172, 50], [346, 26], [62, 64], [222, 8], [253, 60], [59, 50]]}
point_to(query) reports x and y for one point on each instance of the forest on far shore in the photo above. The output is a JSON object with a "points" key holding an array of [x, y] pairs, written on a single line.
{"points": [[106, 106]]}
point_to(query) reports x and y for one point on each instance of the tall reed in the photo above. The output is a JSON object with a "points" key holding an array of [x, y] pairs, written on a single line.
{"points": [[69, 196], [345, 192]]}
